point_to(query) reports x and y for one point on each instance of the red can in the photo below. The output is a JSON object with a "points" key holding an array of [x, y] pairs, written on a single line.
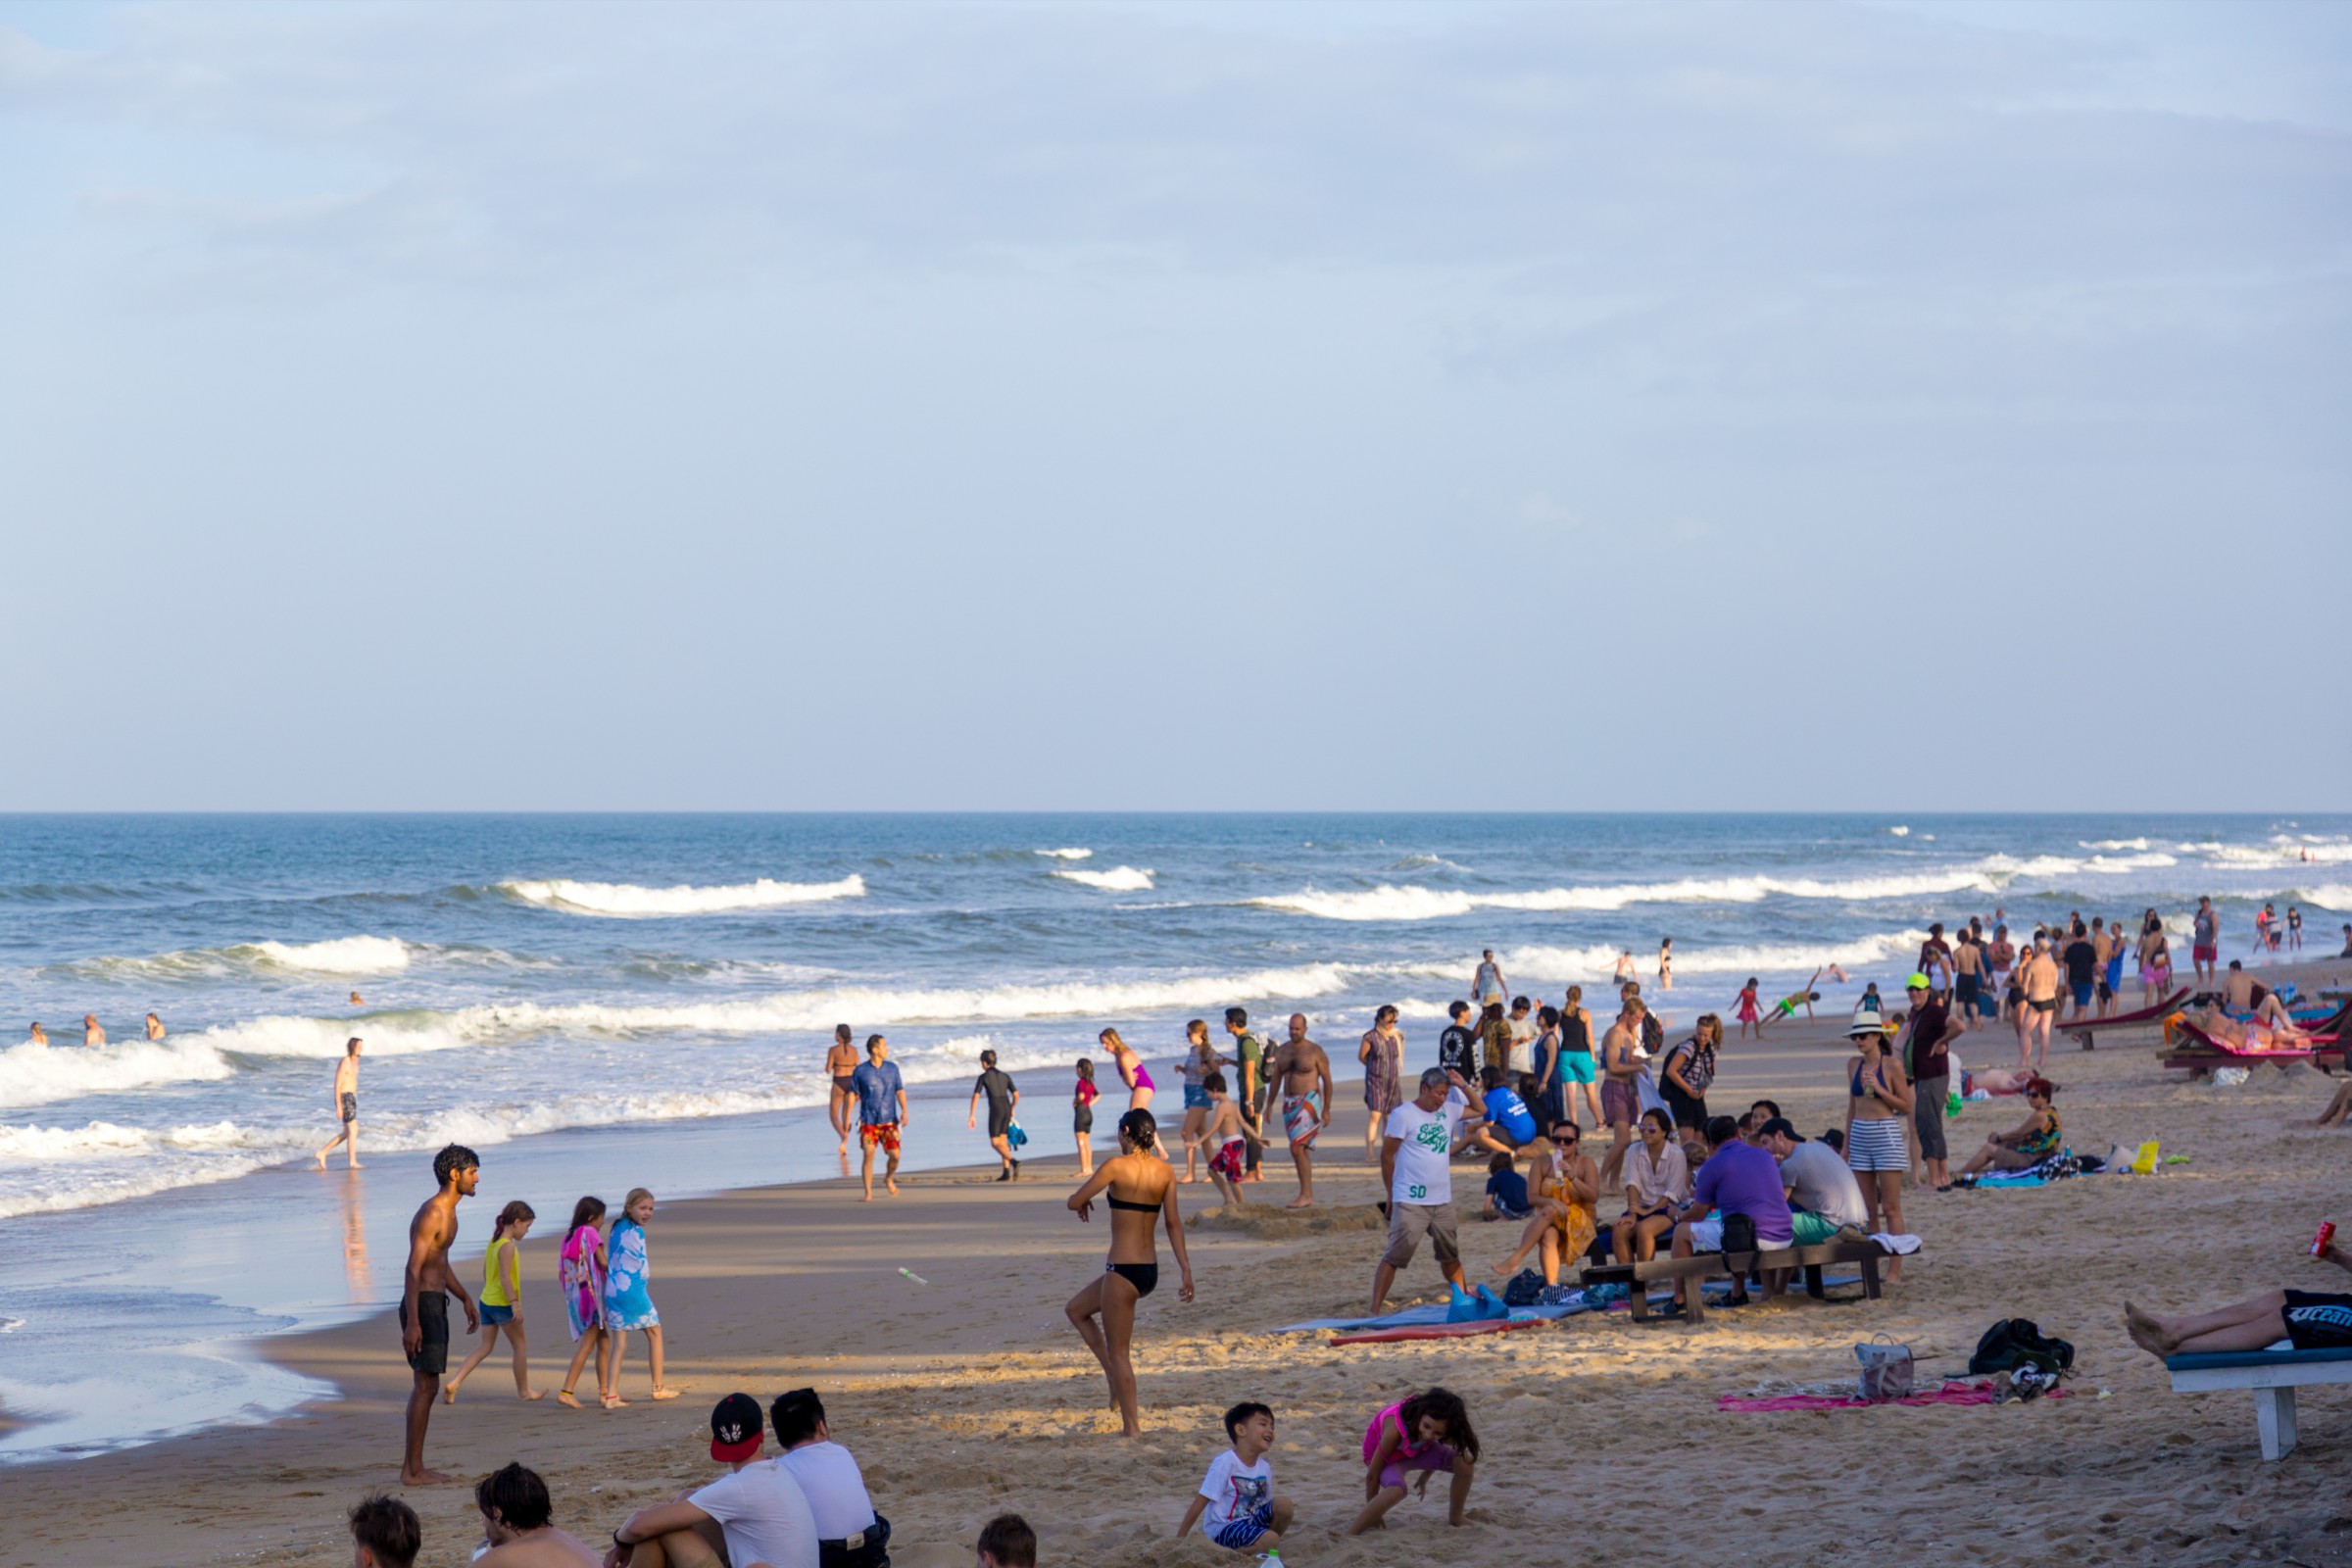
{"points": [[2319, 1242]]}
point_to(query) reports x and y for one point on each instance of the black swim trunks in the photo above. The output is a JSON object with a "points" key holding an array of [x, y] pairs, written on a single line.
{"points": [[432, 1356], [351, 1107], [2317, 1321]]}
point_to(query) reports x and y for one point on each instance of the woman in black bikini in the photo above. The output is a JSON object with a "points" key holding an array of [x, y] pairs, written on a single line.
{"points": [[1139, 1186]]}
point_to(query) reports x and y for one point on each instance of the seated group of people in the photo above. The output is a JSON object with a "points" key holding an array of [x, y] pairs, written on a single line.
{"points": [[804, 1507]]}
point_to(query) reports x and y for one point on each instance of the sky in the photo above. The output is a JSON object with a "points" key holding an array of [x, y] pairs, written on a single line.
{"points": [[1925, 405]]}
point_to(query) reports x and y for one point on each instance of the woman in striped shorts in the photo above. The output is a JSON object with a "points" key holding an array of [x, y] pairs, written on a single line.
{"points": [[1878, 1107]]}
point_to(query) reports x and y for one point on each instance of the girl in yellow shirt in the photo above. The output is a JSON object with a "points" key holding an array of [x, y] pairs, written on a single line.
{"points": [[502, 1302]]}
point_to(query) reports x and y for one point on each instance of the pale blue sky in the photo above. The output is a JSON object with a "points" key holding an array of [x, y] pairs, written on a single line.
{"points": [[1922, 405]]}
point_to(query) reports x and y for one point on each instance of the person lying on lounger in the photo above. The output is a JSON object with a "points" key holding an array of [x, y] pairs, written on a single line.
{"points": [[2271, 1027], [2029, 1144], [2309, 1320]]}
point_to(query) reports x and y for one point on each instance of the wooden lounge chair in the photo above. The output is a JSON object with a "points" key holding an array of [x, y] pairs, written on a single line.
{"points": [[2141, 1019], [2273, 1374], [1708, 1265], [2201, 1052]]}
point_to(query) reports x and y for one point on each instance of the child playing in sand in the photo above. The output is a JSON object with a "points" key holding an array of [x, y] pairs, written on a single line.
{"points": [[502, 1302], [581, 1273], [1006, 1541], [1237, 1494], [1082, 1114], [1226, 1133], [1506, 1191], [1429, 1433], [629, 1296]]}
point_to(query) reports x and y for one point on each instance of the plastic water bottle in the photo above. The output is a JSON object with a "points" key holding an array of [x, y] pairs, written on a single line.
{"points": [[2320, 1242]]}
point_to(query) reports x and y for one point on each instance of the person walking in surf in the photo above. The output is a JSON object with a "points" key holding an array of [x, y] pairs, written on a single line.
{"points": [[347, 1107]]}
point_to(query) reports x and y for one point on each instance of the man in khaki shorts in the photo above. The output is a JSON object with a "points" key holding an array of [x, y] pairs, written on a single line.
{"points": [[1416, 1166]]}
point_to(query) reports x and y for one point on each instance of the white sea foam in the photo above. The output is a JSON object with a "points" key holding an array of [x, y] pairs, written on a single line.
{"points": [[1389, 903], [1899, 831], [341, 956], [2328, 896], [623, 899], [1120, 879], [38, 1075], [1586, 964], [2112, 844], [1069, 855]]}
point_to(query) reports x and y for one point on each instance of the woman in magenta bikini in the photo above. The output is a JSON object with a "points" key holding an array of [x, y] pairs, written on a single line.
{"points": [[1428, 1434], [1131, 1070]]}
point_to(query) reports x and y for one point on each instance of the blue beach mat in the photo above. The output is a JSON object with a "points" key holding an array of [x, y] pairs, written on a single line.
{"points": [[1435, 1313]]}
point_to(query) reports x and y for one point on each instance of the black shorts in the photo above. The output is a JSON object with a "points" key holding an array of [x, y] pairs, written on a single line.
{"points": [[2318, 1322], [1965, 989], [1082, 1120], [432, 1356], [1686, 1111], [351, 1107], [999, 1121]]}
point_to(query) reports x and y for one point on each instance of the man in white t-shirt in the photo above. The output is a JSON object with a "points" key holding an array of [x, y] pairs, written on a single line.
{"points": [[1416, 1154], [1523, 1037], [756, 1510], [849, 1533]]}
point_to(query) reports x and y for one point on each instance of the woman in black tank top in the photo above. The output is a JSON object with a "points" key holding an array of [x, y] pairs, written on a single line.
{"points": [[1141, 1191]]}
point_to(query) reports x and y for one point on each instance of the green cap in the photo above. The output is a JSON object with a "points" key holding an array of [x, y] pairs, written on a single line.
{"points": [[1918, 982]]}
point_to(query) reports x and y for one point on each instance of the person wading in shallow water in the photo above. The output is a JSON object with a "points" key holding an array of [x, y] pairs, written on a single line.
{"points": [[347, 1106], [1142, 1192], [426, 1289]]}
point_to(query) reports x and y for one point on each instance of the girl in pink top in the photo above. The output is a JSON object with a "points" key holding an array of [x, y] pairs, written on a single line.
{"points": [[1426, 1434]]}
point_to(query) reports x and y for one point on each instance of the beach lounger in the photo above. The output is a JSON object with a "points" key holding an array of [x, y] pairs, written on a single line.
{"points": [[2201, 1053], [1707, 1265], [2272, 1375], [2141, 1019]]}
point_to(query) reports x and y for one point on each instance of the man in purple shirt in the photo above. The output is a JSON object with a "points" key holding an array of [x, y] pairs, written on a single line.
{"points": [[1738, 1178]]}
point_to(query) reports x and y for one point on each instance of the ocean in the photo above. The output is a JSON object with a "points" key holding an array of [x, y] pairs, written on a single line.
{"points": [[591, 1000]]}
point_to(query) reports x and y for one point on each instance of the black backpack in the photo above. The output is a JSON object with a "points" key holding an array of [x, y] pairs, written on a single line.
{"points": [[2015, 1341], [1739, 1234], [1526, 1287]]}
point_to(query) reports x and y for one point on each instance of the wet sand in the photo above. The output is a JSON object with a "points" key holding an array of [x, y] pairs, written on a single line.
{"points": [[971, 1394]]}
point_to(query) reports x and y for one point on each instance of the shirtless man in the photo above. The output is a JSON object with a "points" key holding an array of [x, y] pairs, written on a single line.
{"points": [[2039, 1012], [347, 1106], [1300, 1072], [1969, 976], [425, 1287], [39, 1035], [519, 1525], [155, 1027], [91, 1034], [2205, 942], [2240, 990], [840, 1063]]}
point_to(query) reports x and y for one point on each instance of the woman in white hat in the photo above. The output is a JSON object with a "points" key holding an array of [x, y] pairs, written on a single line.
{"points": [[1877, 1104]]}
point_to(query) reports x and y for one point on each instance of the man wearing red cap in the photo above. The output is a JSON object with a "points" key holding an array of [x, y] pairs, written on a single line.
{"points": [[756, 1513]]}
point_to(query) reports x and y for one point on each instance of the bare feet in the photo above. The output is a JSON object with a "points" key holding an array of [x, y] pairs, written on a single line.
{"points": [[534, 1395], [890, 1182], [422, 1477], [566, 1398], [666, 1394], [610, 1401], [449, 1394], [1302, 1201], [2147, 1339], [1184, 1180]]}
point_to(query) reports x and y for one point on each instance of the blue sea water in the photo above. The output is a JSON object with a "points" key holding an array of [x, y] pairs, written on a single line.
{"points": [[558, 988]]}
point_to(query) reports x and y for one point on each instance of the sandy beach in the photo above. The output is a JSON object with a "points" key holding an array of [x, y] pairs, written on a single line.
{"points": [[969, 1395]]}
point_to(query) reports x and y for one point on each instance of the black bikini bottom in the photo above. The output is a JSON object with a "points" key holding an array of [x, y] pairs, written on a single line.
{"points": [[1145, 1277]]}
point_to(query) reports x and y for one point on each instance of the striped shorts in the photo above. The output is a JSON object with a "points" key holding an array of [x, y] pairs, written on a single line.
{"points": [[1876, 1146]]}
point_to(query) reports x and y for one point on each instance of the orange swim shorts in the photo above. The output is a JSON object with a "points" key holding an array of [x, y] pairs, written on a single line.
{"points": [[884, 1132]]}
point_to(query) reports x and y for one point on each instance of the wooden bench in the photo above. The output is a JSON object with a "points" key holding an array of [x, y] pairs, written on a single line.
{"points": [[2273, 1374], [1707, 1265]]}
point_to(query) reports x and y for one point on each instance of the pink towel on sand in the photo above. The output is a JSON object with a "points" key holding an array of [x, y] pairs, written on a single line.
{"points": [[1955, 1392]]}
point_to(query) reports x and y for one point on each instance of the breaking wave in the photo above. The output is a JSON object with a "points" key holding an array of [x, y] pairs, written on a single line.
{"points": [[627, 900], [1121, 879]]}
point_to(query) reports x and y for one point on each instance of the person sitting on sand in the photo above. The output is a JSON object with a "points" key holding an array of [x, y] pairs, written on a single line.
{"points": [[385, 1533], [1506, 1191], [1567, 1192], [1657, 1180], [1427, 1434], [1738, 1178], [1509, 1125], [1226, 1135], [1006, 1541], [754, 1513], [2030, 1143], [1236, 1505], [2337, 1108], [518, 1529], [850, 1534], [2309, 1320], [1141, 1189]]}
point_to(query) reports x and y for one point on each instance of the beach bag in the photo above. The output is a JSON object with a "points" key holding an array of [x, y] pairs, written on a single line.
{"points": [[1738, 1235], [2015, 1341], [1525, 1290], [1014, 1138], [1887, 1369]]}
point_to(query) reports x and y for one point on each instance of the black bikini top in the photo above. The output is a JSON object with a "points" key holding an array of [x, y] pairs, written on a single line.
{"points": [[1116, 1201]]}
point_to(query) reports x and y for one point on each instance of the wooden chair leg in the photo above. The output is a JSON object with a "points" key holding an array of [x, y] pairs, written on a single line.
{"points": [[1870, 1277], [1813, 1281]]}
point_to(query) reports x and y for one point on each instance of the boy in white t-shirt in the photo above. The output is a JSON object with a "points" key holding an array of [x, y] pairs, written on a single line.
{"points": [[1237, 1495]]}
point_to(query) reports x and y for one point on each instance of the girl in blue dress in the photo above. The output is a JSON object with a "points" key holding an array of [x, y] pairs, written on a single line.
{"points": [[629, 1297]]}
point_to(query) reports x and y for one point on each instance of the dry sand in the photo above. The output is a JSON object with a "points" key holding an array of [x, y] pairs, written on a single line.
{"points": [[970, 1396]]}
